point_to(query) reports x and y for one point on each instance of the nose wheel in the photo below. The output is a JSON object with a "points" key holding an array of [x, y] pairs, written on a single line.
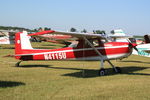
{"points": [[103, 72]]}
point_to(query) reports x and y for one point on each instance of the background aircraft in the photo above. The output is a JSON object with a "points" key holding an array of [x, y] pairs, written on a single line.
{"points": [[143, 49], [148, 50], [7, 36], [118, 35]]}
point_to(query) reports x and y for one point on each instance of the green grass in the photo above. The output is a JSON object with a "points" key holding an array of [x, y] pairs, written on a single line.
{"points": [[72, 80]]}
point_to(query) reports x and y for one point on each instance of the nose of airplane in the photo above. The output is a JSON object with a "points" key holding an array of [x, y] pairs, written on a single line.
{"points": [[133, 45]]}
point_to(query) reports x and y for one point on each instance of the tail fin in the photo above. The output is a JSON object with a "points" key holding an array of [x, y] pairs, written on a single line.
{"points": [[22, 42]]}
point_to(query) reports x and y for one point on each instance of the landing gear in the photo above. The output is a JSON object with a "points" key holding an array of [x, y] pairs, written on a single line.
{"points": [[18, 64], [116, 69], [102, 72]]}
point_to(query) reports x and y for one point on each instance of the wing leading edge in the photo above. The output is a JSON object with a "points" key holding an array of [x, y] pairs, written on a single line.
{"points": [[73, 34]]}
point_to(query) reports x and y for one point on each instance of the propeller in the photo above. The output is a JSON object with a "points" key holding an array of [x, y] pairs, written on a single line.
{"points": [[133, 45]]}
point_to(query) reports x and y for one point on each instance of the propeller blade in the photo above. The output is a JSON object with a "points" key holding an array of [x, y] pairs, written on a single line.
{"points": [[133, 45], [135, 48]]}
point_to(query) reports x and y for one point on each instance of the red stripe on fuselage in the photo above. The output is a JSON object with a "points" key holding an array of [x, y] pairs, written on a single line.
{"points": [[70, 53]]}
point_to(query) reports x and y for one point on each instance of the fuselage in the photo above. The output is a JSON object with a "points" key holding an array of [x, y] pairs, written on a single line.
{"points": [[110, 50]]}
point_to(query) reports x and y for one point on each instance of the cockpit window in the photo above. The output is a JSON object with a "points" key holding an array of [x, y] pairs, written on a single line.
{"points": [[94, 41]]}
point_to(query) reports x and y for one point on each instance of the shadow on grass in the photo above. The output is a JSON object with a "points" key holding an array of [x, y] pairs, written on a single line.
{"points": [[135, 61], [7, 48], [90, 73], [5, 84], [65, 68], [31, 66], [86, 73]]}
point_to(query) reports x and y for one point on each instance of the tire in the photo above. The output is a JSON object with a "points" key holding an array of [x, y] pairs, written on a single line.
{"points": [[102, 72]]}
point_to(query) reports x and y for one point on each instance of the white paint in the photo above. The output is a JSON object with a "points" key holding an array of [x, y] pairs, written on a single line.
{"points": [[25, 42], [5, 40], [53, 56], [18, 41]]}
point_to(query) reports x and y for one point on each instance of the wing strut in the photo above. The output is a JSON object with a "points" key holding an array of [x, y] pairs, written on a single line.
{"points": [[93, 47], [102, 71], [101, 56]]}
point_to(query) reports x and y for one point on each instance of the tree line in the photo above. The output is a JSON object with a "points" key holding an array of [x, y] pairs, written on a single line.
{"points": [[85, 31], [14, 28], [46, 28]]}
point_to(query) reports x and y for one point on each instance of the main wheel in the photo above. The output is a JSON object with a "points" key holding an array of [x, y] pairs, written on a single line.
{"points": [[102, 72]]}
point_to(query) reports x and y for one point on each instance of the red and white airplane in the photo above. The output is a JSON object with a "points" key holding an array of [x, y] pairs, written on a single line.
{"points": [[89, 47]]}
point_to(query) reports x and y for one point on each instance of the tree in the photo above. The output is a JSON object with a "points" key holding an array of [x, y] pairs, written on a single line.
{"points": [[84, 31], [40, 29], [46, 28], [73, 30], [35, 30], [99, 32], [14, 28]]}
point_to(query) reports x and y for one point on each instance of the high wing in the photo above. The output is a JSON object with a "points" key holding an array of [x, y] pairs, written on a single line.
{"points": [[119, 36], [49, 36], [73, 34], [81, 35]]}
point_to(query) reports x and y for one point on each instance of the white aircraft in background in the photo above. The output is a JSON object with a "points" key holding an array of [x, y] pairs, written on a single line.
{"points": [[142, 49], [148, 50], [118, 35], [7, 36]]}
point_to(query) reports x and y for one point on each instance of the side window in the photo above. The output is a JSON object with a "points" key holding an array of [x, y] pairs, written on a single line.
{"points": [[95, 42]]}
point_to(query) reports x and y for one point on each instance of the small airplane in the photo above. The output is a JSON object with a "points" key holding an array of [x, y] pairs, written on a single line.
{"points": [[143, 49], [89, 47], [7, 36], [118, 35], [148, 50]]}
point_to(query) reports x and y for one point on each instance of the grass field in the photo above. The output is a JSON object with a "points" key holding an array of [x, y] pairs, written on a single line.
{"points": [[72, 80]]}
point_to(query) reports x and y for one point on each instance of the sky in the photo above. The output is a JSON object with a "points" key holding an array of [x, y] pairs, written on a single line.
{"points": [[133, 16]]}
